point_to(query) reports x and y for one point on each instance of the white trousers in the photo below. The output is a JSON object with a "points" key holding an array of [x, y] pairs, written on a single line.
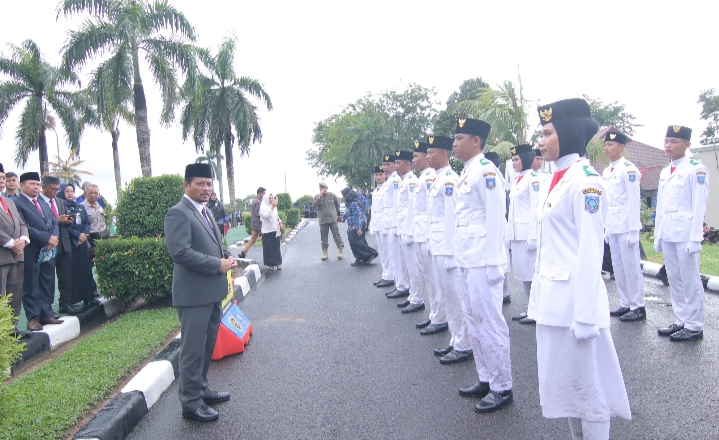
{"points": [[586, 430], [450, 304], [383, 250], [401, 277], [685, 285], [482, 305], [417, 275], [627, 271]]}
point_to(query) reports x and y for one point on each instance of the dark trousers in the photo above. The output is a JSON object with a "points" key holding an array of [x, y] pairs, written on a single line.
{"points": [[11, 281], [324, 233], [199, 326], [63, 268], [38, 291], [360, 249]]}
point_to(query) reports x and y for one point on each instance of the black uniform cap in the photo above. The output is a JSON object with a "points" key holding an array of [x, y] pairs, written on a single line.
{"points": [[377, 169], [615, 136], [199, 170], [404, 155], [473, 126], [678, 131], [442, 142], [29, 176], [389, 158]]}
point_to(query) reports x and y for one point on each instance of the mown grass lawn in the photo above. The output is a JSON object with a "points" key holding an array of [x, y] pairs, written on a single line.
{"points": [[46, 402], [709, 257]]}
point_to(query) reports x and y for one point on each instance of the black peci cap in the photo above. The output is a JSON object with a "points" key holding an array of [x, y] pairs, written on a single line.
{"points": [[404, 155], [420, 147], [388, 158], [29, 176], [615, 136], [473, 126], [678, 131], [442, 142], [520, 149], [199, 170], [377, 169]]}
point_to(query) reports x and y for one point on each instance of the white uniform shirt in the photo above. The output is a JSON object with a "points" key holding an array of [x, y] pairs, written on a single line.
{"points": [[405, 204], [479, 215], [440, 210], [389, 200], [420, 196], [682, 201], [567, 283], [523, 199], [624, 196], [376, 223]]}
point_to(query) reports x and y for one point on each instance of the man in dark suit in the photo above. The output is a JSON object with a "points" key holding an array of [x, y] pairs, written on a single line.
{"points": [[39, 285], [13, 239], [63, 260], [199, 284]]}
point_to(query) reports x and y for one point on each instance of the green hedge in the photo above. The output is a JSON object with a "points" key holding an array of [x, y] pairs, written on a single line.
{"points": [[284, 201], [132, 268], [293, 217], [283, 216], [247, 221], [10, 350], [304, 199], [142, 206]]}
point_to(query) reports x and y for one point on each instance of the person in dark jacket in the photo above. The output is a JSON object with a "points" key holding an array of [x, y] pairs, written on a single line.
{"points": [[356, 225], [328, 211], [83, 286], [218, 212]]}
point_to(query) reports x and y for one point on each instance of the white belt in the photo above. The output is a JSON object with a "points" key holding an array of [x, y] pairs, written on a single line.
{"points": [[434, 219], [461, 222]]}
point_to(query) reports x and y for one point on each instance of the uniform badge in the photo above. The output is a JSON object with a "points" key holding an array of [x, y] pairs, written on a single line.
{"points": [[448, 190], [632, 177], [396, 185], [448, 172], [591, 203], [429, 184], [491, 183], [535, 186], [701, 179]]}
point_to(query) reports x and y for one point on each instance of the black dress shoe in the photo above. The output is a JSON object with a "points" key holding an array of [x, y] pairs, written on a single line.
{"points": [[668, 331], [390, 292], [398, 294], [662, 275], [357, 263], [506, 300], [479, 389], [413, 308], [54, 315], [520, 316], [527, 320], [423, 324], [371, 259], [70, 310], [202, 414], [455, 356], [434, 328], [494, 401], [385, 283], [619, 311], [443, 351], [20, 334], [242, 254], [213, 397], [94, 302], [638, 314], [377, 282], [687, 335], [403, 304]]}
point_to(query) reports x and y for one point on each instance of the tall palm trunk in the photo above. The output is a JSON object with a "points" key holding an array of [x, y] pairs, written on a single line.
{"points": [[219, 173], [116, 158], [230, 167], [42, 150], [141, 125]]}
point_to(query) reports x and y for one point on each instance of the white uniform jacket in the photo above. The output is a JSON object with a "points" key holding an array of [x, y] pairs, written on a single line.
{"points": [[405, 204], [420, 195], [389, 200], [440, 210], [567, 284], [682, 202], [376, 223], [479, 221], [523, 199], [624, 197]]}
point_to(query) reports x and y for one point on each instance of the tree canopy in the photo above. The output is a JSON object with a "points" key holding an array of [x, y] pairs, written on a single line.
{"points": [[612, 114], [710, 112]]}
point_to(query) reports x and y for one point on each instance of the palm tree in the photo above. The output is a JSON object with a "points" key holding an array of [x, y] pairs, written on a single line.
{"points": [[131, 30], [214, 158], [218, 102], [41, 87], [66, 169]]}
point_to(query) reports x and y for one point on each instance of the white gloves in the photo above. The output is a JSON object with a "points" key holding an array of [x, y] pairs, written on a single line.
{"points": [[531, 245], [495, 275], [633, 237], [693, 247], [407, 239], [606, 237], [583, 332], [657, 245], [449, 264]]}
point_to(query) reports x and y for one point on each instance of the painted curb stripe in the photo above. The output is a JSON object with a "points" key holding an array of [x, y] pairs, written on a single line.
{"points": [[116, 419]]}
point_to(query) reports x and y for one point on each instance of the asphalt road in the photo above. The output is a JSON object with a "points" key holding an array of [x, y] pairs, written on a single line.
{"points": [[332, 357]]}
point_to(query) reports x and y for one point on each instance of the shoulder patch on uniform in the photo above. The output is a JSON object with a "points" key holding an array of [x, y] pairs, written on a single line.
{"points": [[535, 185], [490, 173], [484, 161], [448, 189], [589, 171], [701, 177], [490, 182], [592, 191], [632, 176], [591, 201], [533, 174], [628, 164], [694, 162], [449, 172]]}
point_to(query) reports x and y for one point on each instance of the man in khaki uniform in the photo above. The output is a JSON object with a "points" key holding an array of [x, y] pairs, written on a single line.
{"points": [[328, 210]]}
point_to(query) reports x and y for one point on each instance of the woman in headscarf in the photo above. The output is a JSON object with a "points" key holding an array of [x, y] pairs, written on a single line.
{"points": [[218, 212], [356, 226], [579, 373], [271, 230], [83, 286]]}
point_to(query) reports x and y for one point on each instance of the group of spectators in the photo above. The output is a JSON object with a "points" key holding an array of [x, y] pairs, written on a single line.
{"points": [[45, 231]]}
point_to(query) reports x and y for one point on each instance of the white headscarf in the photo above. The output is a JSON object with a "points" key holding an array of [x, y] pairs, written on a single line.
{"points": [[269, 215]]}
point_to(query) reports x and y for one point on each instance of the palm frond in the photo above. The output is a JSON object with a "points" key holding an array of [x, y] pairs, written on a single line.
{"points": [[162, 15], [94, 38], [11, 93], [27, 134], [68, 8]]}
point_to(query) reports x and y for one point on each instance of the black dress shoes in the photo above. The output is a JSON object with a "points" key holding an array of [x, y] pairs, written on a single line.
{"points": [[443, 351], [413, 308], [403, 304], [479, 389], [70, 310], [506, 300], [668, 331], [398, 294], [357, 263], [494, 401], [202, 414], [19, 333], [377, 282], [54, 315], [662, 275], [619, 311], [434, 328], [385, 283], [638, 314], [687, 335], [455, 356], [242, 254], [520, 316], [527, 320], [212, 397], [423, 324], [94, 302]]}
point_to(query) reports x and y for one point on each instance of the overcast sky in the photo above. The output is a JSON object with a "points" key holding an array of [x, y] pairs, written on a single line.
{"points": [[314, 57]]}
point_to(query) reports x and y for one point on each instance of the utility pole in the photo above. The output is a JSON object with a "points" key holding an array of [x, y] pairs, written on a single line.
{"points": [[285, 181]]}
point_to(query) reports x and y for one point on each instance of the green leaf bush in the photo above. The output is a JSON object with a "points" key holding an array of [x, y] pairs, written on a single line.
{"points": [[283, 216], [304, 199], [10, 349], [293, 217], [247, 221], [133, 268], [284, 201], [142, 206]]}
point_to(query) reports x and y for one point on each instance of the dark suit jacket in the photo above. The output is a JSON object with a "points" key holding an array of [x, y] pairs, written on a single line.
{"points": [[10, 228], [64, 245], [40, 227], [196, 250]]}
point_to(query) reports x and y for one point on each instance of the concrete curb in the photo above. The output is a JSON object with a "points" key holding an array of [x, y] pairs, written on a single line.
{"points": [[710, 282], [54, 335], [295, 230]]}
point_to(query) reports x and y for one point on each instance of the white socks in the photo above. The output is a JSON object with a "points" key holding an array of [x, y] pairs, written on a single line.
{"points": [[586, 430]]}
